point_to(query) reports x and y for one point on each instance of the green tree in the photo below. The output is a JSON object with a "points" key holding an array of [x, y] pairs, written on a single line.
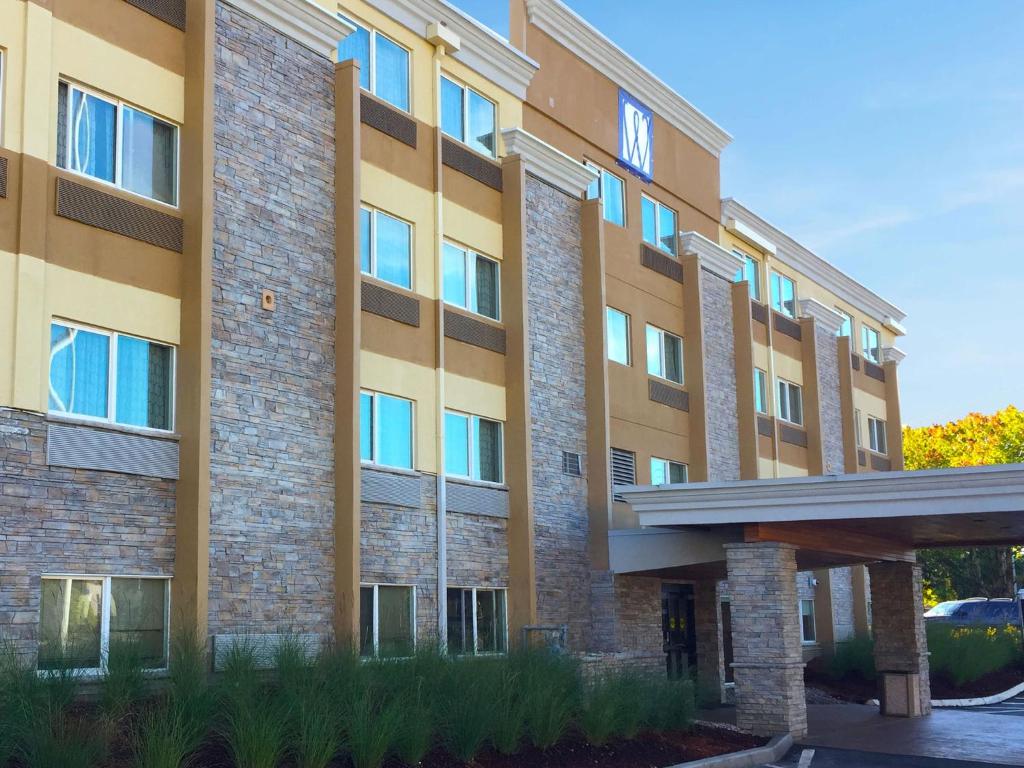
{"points": [[974, 440]]}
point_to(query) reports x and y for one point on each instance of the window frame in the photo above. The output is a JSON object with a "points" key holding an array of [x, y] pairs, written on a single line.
{"points": [[375, 621], [781, 308], [668, 464], [877, 428], [804, 640], [372, 54], [471, 448], [375, 430], [847, 324], [857, 428], [662, 333], [761, 390], [876, 356], [674, 252], [784, 402], [476, 633], [111, 417], [465, 88], [470, 256], [741, 274], [105, 620], [374, 212], [601, 172], [119, 105], [629, 327]]}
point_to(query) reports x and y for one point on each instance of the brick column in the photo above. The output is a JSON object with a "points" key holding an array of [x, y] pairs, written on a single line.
{"points": [[901, 647], [707, 610], [768, 667]]}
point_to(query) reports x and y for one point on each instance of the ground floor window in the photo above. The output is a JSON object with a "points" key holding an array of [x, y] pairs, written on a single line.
{"points": [[85, 619], [387, 620], [477, 621], [807, 633]]}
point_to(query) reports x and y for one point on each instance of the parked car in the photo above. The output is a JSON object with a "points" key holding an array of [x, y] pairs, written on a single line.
{"points": [[976, 611]]}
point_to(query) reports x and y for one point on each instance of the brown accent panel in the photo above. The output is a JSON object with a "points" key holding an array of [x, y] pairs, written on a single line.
{"points": [[472, 331], [661, 263], [787, 326], [103, 210], [743, 346], [466, 192], [473, 164], [3, 177], [792, 435], [759, 312], [880, 463], [391, 304], [170, 11], [398, 159], [660, 392], [388, 120], [862, 458], [394, 339], [855, 361], [893, 419], [874, 371], [473, 362], [812, 397], [765, 447], [693, 364], [765, 427]]}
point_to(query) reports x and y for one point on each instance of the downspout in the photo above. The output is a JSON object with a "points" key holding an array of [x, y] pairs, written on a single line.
{"points": [[773, 387]]}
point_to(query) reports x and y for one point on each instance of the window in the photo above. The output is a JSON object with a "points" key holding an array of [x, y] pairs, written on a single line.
{"points": [[618, 336], [84, 619], [108, 140], [846, 329], [383, 64], [468, 117], [791, 407], [387, 620], [110, 377], [751, 272], [664, 355], [807, 633], [471, 281], [857, 427], [870, 343], [876, 435], [611, 190], [783, 295], [385, 245], [658, 224], [664, 471], [477, 621], [385, 430], [760, 391], [472, 447]]}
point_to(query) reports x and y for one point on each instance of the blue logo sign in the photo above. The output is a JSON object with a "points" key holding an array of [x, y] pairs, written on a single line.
{"points": [[636, 136]]}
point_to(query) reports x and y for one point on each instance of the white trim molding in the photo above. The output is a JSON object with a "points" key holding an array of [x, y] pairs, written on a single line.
{"points": [[817, 269], [481, 49], [547, 163], [304, 21], [576, 35], [824, 316], [713, 257], [893, 355], [743, 232]]}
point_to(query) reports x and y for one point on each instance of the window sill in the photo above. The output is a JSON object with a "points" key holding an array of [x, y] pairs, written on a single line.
{"points": [[678, 384], [476, 483], [389, 285], [129, 193], [455, 308], [659, 249], [391, 470], [75, 421]]}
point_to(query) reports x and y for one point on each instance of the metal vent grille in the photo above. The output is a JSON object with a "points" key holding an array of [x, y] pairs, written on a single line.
{"points": [[378, 300], [3, 177], [572, 464], [787, 327], [874, 371], [472, 331], [473, 164], [855, 361], [765, 426], [862, 458], [759, 312], [387, 120], [880, 463], [661, 263], [115, 214], [170, 11], [623, 470], [71, 445], [476, 499], [659, 392], [390, 488], [792, 435]]}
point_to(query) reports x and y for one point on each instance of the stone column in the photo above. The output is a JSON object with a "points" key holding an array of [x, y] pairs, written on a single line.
{"points": [[768, 667], [901, 648], [707, 616]]}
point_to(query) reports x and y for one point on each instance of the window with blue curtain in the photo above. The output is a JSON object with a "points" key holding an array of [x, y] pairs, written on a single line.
{"points": [[393, 249], [143, 383], [365, 426], [365, 235], [357, 46], [394, 432], [454, 275], [453, 121], [481, 124], [79, 371], [456, 444], [149, 152], [92, 135], [391, 76]]}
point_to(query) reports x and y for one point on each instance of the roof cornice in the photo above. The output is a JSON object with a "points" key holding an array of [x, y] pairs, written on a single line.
{"points": [[303, 21], [482, 50], [893, 355], [547, 163], [570, 30], [816, 268], [824, 317], [713, 257]]}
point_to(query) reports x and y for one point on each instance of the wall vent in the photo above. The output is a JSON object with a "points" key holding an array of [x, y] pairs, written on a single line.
{"points": [[623, 470], [572, 464]]}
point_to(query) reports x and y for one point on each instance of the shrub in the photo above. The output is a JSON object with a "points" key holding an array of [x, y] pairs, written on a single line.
{"points": [[465, 701], [853, 658], [965, 654], [191, 700], [550, 691], [61, 742], [369, 728], [124, 681], [671, 704], [600, 712], [254, 732], [509, 710], [315, 734], [162, 738]]}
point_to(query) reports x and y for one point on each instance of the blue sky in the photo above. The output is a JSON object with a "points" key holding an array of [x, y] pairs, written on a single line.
{"points": [[888, 137]]}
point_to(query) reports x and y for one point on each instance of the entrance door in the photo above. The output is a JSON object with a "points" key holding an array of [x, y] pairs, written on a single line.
{"points": [[680, 643]]}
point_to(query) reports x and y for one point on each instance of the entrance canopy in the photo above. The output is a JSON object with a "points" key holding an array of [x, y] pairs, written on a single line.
{"points": [[837, 519]]}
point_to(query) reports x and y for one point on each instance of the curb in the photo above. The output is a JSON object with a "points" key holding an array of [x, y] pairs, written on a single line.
{"points": [[748, 758], [995, 698]]}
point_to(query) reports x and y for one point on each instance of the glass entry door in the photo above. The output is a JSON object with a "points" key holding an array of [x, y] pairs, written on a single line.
{"points": [[679, 641]]}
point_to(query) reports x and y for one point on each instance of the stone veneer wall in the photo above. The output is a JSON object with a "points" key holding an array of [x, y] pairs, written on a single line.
{"points": [[554, 261], [70, 521], [827, 346], [720, 379], [842, 603], [271, 457]]}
